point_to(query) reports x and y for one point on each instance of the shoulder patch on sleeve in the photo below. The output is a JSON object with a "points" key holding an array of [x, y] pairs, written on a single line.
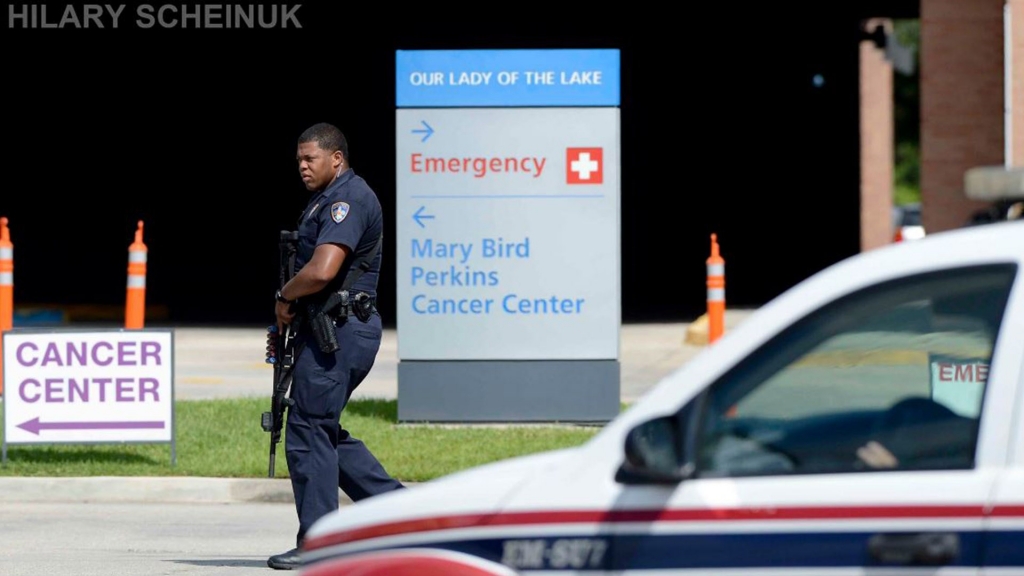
{"points": [[338, 211]]}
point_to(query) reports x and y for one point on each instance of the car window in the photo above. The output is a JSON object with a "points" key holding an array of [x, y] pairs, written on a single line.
{"points": [[891, 377]]}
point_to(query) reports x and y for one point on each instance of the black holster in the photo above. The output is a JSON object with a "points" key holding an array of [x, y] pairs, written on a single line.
{"points": [[321, 323], [322, 316]]}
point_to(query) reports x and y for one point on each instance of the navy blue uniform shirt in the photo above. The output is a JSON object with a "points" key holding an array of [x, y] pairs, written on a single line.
{"points": [[347, 212]]}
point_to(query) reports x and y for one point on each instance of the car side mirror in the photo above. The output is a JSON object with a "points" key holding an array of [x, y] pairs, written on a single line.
{"points": [[654, 454]]}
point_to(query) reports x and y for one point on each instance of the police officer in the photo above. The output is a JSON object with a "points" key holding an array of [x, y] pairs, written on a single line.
{"points": [[339, 229]]}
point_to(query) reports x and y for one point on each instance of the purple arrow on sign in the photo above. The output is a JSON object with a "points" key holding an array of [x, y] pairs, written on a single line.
{"points": [[34, 425]]}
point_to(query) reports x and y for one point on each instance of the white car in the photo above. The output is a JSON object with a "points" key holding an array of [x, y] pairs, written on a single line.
{"points": [[870, 420]]}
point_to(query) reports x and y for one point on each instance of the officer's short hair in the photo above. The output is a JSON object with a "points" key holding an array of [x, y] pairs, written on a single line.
{"points": [[327, 136]]}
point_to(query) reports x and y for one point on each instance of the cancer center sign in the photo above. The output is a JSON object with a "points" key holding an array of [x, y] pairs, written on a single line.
{"points": [[88, 387], [508, 203]]}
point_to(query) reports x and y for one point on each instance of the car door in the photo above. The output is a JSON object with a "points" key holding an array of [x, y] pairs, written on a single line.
{"points": [[865, 438], [1004, 535]]}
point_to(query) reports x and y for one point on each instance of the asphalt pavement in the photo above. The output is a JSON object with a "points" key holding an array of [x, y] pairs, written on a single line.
{"points": [[213, 362]]}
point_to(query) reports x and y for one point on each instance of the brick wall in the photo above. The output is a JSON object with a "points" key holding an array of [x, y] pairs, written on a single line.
{"points": [[1017, 63], [876, 143], [961, 103]]}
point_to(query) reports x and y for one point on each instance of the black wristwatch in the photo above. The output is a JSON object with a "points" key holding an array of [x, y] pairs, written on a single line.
{"points": [[282, 299]]}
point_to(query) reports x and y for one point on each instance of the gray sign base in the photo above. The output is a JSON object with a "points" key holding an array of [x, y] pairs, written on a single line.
{"points": [[570, 391]]}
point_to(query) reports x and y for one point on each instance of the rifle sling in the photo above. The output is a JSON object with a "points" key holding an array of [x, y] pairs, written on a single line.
{"points": [[364, 264]]}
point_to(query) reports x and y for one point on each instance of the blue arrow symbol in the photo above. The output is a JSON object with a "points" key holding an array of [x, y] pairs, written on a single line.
{"points": [[427, 131], [419, 216]]}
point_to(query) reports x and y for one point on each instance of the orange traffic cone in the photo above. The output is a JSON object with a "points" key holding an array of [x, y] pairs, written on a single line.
{"points": [[6, 289], [716, 292], [135, 303]]}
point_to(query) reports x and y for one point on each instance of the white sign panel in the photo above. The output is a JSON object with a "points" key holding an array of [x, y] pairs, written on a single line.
{"points": [[959, 384], [84, 387], [508, 234]]}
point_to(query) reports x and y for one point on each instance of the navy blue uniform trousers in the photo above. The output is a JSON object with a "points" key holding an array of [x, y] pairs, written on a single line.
{"points": [[323, 456]]}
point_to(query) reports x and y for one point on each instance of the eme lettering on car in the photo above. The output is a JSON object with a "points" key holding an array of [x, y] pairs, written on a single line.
{"points": [[958, 383]]}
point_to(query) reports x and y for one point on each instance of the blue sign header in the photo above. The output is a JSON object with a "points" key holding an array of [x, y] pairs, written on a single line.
{"points": [[494, 78]]}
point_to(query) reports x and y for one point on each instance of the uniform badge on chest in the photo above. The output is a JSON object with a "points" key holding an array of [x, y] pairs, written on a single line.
{"points": [[339, 210]]}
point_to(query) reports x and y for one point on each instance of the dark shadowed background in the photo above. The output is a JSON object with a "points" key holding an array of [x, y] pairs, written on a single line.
{"points": [[724, 129]]}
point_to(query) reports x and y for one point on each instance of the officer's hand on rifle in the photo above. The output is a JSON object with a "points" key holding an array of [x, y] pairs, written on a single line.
{"points": [[285, 310]]}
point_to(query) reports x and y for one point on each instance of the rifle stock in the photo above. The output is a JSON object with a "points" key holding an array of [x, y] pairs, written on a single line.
{"points": [[282, 353]]}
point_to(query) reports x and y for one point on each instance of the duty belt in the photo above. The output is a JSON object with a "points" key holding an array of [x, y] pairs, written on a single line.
{"points": [[345, 309]]}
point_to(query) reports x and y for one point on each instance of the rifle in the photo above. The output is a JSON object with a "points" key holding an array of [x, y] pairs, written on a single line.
{"points": [[282, 353]]}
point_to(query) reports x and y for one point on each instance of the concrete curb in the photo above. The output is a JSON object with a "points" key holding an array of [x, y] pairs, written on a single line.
{"points": [[162, 489]]}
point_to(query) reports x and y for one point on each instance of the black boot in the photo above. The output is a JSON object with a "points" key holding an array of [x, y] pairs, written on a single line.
{"points": [[289, 560]]}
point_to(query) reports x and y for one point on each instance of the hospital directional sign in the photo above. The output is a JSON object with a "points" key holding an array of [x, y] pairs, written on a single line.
{"points": [[95, 386], [508, 201], [510, 235]]}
